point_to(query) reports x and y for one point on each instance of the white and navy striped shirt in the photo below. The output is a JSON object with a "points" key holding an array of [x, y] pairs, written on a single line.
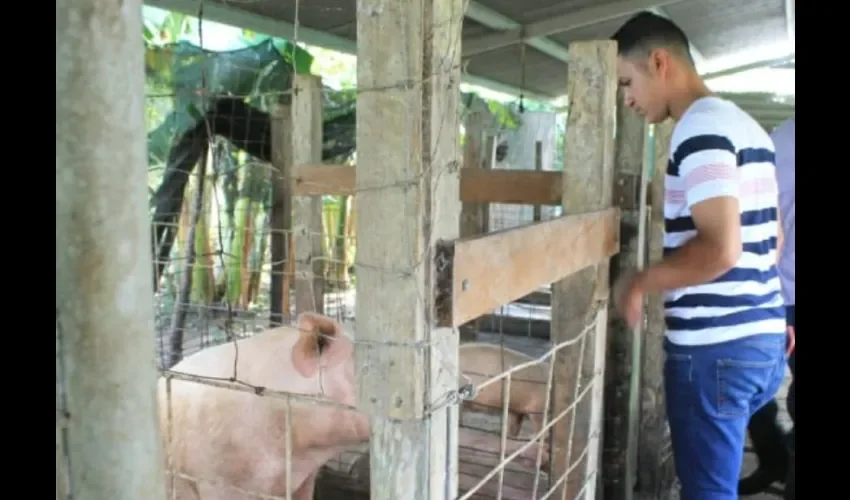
{"points": [[719, 150]]}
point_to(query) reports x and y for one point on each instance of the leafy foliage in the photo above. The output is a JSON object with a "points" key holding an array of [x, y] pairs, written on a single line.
{"points": [[181, 80]]}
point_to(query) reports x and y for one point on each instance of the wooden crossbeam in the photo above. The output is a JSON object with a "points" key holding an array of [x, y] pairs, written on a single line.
{"points": [[516, 187], [477, 275]]}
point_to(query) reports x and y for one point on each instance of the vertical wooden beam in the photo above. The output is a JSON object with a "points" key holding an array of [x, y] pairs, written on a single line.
{"points": [[280, 223], [473, 216], [108, 443], [582, 297], [408, 192], [307, 217], [491, 144], [538, 167], [475, 156], [656, 472], [622, 376]]}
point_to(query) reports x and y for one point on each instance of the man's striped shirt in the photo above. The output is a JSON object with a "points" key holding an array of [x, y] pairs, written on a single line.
{"points": [[719, 150]]}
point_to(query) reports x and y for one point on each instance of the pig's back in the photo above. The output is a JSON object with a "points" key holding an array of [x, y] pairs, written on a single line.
{"points": [[481, 359], [245, 359]]}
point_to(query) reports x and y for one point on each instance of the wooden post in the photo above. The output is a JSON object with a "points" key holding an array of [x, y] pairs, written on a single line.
{"points": [[538, 167], [281, 215], [473, 216], [475, 156], [408, 198], [656, 472], [622, 377], [307, 210], [108, 442], [578, 299], [492, 143]]}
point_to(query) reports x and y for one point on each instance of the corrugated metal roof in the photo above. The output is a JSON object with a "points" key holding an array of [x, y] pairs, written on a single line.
{"points": [[716, 27], [768, 109]]}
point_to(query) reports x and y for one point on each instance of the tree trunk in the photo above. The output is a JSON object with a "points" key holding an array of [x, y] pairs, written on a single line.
{"points": [[184, 296]]}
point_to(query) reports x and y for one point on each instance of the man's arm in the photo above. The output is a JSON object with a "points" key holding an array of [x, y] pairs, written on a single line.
{"points": [[713, 251], [709, 170]]}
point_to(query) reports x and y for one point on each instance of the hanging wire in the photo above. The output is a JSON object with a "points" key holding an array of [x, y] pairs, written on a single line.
{"points": [[522, 75]]}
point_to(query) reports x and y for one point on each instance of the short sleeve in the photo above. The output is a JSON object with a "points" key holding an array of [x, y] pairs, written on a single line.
{"points": [[707, 164]]}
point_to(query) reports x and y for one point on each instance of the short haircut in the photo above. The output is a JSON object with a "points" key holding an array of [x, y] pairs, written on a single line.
{"points": [[646, 31]]}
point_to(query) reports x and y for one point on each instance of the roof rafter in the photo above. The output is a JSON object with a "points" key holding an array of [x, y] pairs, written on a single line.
{"points": [[494, 20], [558, 24], [234, 16]]}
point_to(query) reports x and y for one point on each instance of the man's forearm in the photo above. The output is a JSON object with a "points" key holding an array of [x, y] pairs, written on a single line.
{"points": [[696, 262]]}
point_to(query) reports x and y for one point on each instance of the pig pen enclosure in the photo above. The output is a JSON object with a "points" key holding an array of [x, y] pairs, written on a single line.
{"points": [[444, 257], [435, 267]]}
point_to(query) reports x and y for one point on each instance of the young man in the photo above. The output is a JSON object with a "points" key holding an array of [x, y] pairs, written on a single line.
{"points": [[769, 442], [725, 338]]}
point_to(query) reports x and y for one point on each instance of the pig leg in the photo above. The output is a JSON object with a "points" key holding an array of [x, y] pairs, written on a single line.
{"points": [[514, 423], [305, 491], [530, 454], [536, 421]]}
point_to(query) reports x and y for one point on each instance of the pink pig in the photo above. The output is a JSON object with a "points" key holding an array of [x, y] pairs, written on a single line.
{"points": [[481, 361], [237, 440]]}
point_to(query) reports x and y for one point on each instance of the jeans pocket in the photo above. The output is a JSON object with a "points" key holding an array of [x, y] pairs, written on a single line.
{"points": [[739, 382]]}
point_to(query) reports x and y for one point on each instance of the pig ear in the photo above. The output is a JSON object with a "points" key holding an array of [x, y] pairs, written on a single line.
{"points": [[305, 358], [305, 353]]}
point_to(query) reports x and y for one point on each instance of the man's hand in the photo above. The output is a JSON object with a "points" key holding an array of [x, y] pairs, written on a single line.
{"points": [[629, 295]]}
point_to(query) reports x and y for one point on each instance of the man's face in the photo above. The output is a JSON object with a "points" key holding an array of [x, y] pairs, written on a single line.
{"points": [[643, 86]]}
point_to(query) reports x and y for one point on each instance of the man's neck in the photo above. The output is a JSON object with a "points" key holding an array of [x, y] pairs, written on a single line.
{"points": [[692, 90]]}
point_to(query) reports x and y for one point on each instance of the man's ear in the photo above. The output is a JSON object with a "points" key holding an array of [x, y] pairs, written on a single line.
{"points": [[659, 60]]}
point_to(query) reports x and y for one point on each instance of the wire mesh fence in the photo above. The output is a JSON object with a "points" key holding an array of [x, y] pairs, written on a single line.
{"points": [[259, 398]]}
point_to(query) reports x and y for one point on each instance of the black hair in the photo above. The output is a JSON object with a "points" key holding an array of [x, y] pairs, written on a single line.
{"points": [[646, 31]]}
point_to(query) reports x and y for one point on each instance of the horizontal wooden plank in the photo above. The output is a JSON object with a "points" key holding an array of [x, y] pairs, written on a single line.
{"points": [[488, 271], [521, 187], [512, 187], [322, 179]]}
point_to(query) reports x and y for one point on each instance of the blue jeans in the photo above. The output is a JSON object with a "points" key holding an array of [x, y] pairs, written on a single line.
{"points": [[711, 392]]}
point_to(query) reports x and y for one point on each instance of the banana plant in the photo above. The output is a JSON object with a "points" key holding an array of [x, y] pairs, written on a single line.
{"points": [[299, 58]]}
